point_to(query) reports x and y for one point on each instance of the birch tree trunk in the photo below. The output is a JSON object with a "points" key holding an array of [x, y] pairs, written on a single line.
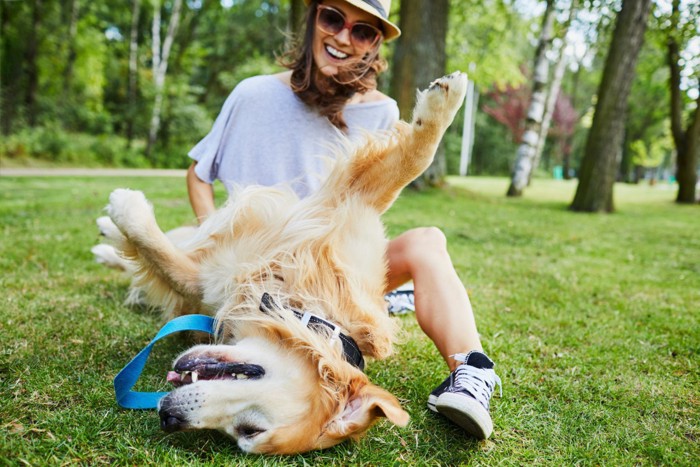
{"points": [[687, 141], [525, 155], [419, 58], [553, 93], [160, 65], [598, 172], [133, 69]]}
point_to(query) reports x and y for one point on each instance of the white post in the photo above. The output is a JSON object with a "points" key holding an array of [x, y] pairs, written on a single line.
{"points": [[467, 129], [475, 107]]}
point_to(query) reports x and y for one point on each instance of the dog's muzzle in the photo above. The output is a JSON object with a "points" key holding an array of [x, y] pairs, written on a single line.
{"points": [[171, 418]]}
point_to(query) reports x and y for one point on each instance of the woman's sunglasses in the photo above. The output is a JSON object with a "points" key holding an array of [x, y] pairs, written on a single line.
{"points": [[332, 21]]}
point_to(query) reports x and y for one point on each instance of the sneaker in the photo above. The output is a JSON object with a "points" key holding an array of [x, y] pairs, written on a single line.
{"points": [[400, 302], [464, 396]]}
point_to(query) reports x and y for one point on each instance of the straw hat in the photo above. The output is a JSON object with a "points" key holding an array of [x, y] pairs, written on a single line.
{"points": [[379, 9]]}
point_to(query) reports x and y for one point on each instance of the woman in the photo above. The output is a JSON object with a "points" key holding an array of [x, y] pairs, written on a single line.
{"points": [[273, 128]]}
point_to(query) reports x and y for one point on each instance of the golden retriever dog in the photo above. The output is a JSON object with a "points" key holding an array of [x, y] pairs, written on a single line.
{"points": [[294, 284]]}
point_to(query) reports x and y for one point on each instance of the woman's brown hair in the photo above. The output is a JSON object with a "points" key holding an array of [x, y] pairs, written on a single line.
{"points": [[329, 94]]}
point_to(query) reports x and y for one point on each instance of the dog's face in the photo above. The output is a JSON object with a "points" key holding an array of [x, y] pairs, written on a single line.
{"points": [[272, 399]]}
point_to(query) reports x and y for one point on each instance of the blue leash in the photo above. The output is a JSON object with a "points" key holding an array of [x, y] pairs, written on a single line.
{"points": [[127, 378]]}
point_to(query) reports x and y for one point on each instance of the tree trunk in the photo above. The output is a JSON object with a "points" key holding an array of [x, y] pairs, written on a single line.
{"points": [[553, 93], [8, 92], [297, 11], [687, 141], [72, 54], [160, 66], [687, 160], [420, 58], [133, 69], [603, 145], [526, 151], [31, 66]]}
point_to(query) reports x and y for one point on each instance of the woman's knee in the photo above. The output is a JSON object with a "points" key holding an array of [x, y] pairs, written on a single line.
{"points": [[423, 242]]}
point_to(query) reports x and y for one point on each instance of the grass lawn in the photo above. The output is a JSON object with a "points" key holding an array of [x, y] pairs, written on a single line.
{"points": [[593, 321]]}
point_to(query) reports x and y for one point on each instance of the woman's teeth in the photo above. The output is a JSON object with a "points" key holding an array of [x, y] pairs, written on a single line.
{"points": [[336, 53]]}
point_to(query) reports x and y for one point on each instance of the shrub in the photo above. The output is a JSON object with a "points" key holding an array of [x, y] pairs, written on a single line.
{"points": [[53, 144]]}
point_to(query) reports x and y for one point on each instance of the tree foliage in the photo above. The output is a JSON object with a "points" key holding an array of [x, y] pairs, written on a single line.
{"points": [[76, 73]]}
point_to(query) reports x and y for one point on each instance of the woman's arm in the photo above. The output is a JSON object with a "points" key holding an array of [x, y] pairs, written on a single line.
{"points": [[201, 195]]}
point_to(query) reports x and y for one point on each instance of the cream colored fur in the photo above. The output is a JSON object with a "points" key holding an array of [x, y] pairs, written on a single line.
{"points": [[323, 254]]}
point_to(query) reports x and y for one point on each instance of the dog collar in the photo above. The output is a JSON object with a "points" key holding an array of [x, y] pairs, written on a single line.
{"points": [[351, 351]]}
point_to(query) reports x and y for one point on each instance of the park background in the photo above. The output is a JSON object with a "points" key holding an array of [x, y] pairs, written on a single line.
{"points": [[137, 84], [592, 319]]}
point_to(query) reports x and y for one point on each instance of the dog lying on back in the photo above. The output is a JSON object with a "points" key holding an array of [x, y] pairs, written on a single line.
{"points": [[296, 287]]}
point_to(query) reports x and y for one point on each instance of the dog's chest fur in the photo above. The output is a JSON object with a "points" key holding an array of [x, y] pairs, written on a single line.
{"points": [[326, 259]]}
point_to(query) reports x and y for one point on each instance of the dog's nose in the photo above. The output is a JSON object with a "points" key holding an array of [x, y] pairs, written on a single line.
{"points": [[169, 423], [170, 419]]}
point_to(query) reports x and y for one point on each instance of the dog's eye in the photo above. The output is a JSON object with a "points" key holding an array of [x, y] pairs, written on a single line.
{"points": [[248, 431]]}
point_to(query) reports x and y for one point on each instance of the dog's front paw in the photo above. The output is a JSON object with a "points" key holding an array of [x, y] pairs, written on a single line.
{"points": [[108, 229], [129, 208], [438, 104]]}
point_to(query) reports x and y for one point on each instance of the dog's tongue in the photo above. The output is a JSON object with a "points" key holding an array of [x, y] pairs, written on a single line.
{"points": [[174, 377]]}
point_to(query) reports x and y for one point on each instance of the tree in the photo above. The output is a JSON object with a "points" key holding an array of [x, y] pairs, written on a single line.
{"points": [[598, 171], [160, 65], [31, 59], [419, 58], [73, 14], [553, 93], [296, 16], [647, 121], [485, 39], [508, 106], [528, 146], [686, 140], [133, 68]]}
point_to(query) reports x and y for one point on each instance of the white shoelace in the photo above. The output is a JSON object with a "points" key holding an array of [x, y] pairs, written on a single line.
{"points": [[480, 382], [400, 302]]}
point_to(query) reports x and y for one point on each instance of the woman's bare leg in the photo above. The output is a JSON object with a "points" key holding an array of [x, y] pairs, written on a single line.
{"points": [[442, 305]]}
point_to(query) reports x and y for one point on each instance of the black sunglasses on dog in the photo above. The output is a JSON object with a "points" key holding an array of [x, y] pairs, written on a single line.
{"points": [[333, 21]]}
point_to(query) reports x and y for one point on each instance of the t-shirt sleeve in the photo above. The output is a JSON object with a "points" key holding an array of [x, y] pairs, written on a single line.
{"points": [[391, 116], [207, 151]]}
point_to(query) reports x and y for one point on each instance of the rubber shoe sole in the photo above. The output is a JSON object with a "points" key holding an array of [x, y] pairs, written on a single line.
{"points": [[467, 413], [432, 400]]}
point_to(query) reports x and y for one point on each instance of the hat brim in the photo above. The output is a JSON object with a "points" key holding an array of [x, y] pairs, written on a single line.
{"points": [[391, 31]]}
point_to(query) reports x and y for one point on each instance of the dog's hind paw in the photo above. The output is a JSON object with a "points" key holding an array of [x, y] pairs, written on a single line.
{"points": [[107, 255], [129, 209], [438, 104]]}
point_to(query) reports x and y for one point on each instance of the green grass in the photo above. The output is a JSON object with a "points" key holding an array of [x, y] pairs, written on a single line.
{"points": [[592, 320]]}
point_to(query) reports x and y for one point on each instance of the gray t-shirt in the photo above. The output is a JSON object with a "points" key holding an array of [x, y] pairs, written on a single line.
{"points": [[265, 135]]}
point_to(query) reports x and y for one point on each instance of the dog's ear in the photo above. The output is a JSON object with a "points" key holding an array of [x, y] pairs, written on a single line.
{"points": [[365, 405]]}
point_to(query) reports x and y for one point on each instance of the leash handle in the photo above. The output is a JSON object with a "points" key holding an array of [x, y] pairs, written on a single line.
{"points": [[126, 379]]}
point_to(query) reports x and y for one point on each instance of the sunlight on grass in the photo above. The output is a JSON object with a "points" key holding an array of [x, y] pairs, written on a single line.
{"points": [[563, 190]]}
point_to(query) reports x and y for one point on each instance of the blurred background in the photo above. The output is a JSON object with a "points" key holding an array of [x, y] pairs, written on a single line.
{"points": [[137, 83]]}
